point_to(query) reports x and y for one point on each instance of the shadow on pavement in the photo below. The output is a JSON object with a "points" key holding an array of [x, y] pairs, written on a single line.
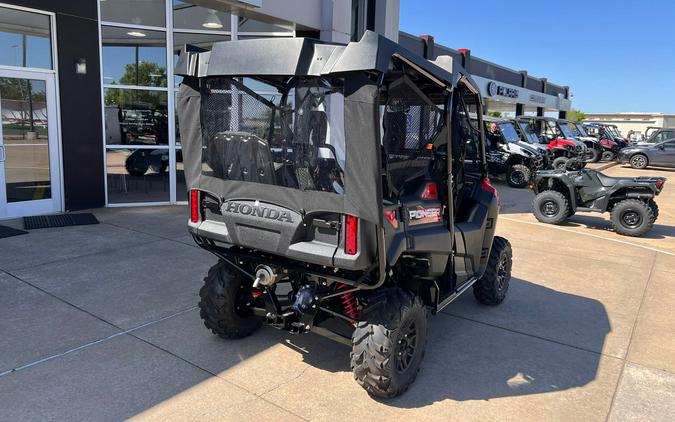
{"points": [[601, 222]]}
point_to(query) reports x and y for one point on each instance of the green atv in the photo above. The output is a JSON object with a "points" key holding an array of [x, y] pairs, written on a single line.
{"points": [[630, 200]]}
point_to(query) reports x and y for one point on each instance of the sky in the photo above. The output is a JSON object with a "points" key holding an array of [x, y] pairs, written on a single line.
{"points": [[616, 56]]}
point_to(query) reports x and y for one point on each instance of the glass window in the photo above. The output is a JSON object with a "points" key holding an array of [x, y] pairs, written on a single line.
{"points": [[135, 117], [137, 175], [25, 138], [25, 39], [251, 25], [133, 57], [190, 16], [136, 12], [181, 184]]}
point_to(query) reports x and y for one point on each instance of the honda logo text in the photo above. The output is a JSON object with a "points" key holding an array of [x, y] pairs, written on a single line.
{"points": [[258, 211]]}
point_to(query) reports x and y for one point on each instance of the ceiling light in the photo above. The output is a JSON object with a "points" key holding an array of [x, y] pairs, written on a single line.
{"points": [[136, 34], [212, 21]]}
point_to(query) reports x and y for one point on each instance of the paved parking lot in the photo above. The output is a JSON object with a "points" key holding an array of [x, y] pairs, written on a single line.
{"points": [[99, 323]]}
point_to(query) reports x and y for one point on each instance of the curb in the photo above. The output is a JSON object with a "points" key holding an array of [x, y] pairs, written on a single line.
{"points": [[606, 166]]}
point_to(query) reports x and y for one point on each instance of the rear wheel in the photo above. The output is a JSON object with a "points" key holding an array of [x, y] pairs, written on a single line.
{"points": [[559, 163], [388, 343], [226, 304], [639, 161], [632, 217], [655, 208], [550, 207], [518, 176], [492, 287]]}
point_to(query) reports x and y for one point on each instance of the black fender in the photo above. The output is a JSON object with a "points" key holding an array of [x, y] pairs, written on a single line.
{"points": [[548, 177]]}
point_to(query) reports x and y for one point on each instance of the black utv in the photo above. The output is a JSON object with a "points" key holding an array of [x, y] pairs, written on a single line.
{"points": [[561, 146], [351, 199], [630, 200], [507, 155]]}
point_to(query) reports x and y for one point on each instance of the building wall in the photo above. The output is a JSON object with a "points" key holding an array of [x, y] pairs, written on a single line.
{"points": [[636, 122], [79, 98]]}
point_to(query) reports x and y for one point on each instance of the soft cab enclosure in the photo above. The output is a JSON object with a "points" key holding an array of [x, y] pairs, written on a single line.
{"points": [[282, 145]]}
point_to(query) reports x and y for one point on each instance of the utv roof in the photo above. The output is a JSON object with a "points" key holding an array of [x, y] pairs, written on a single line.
{"points": [[307, 57], [550, 119]]}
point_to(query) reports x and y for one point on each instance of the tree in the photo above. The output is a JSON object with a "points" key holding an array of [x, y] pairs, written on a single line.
{"points": [[576, 115], [495, 113], [145, 74]]}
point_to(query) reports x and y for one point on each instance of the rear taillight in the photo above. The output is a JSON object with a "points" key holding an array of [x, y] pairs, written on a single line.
{"points": [[391, 217], [430, 191], [486, 186], [194, 206], [351, 234]]}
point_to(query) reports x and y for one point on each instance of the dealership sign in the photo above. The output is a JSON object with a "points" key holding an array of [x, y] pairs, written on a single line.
{"points": [[495, 89], [504, 92]]}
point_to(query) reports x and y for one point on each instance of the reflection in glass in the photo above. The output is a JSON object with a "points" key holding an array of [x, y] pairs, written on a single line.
{"points": [[133, 57], [137, 175], [181, 185], [136, 117], [190, 16], [25, 137], [250, 25], [24, 39], [137, 12]]}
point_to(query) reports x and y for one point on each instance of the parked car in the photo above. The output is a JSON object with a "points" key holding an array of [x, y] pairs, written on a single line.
{"points": [[661, 154], [655, 135]]}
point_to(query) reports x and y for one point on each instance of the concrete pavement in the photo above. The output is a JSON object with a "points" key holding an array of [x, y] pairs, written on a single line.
{"points": [[99, 323]]}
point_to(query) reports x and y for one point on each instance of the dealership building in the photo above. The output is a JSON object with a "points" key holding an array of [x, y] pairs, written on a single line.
{"points": [[87, 88]]}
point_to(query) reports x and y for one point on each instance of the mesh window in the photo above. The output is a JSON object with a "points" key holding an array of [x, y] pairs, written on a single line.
{"points": [[292, 137], [410, 122]]}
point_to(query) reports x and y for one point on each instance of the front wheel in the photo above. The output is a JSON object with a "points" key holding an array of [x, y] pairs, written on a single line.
{"points": [[388, 343], [639, 161], [491, 288], [608, 156], [595, 155], [551, 207], [227, 301], [518, 176], [632, 217], [560, 163]]}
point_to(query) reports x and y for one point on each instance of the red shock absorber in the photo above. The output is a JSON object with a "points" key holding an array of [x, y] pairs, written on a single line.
{"points": [[349, 303]]}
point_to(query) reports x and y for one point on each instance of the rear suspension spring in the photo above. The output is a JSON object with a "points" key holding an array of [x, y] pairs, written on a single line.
{"points": [[349, 303]]}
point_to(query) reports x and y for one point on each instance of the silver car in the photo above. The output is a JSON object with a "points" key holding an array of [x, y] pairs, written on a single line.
{"points": [[661, 154]]}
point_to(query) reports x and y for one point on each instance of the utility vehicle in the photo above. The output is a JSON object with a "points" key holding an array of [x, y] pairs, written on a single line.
{"points": [[610, 147], [562, 147], [507, 155], [350, 200], [528, 135], [576, 131], [630, 200]]}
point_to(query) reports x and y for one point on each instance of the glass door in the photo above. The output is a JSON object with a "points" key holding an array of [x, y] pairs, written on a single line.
{"points": [[29, 153]]}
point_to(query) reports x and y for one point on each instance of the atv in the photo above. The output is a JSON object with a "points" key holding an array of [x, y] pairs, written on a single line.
{"points": [[507, 154], [629, 200], [562, 147], [351, 200]]}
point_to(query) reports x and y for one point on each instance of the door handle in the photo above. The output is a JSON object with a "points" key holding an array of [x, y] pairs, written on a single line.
{"points": [[2, 153]]}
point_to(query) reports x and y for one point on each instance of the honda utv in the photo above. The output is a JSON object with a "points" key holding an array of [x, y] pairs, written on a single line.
{"points": [[629, 200], [350, 199], [507, 155], [576, 131], [562, 147]]}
